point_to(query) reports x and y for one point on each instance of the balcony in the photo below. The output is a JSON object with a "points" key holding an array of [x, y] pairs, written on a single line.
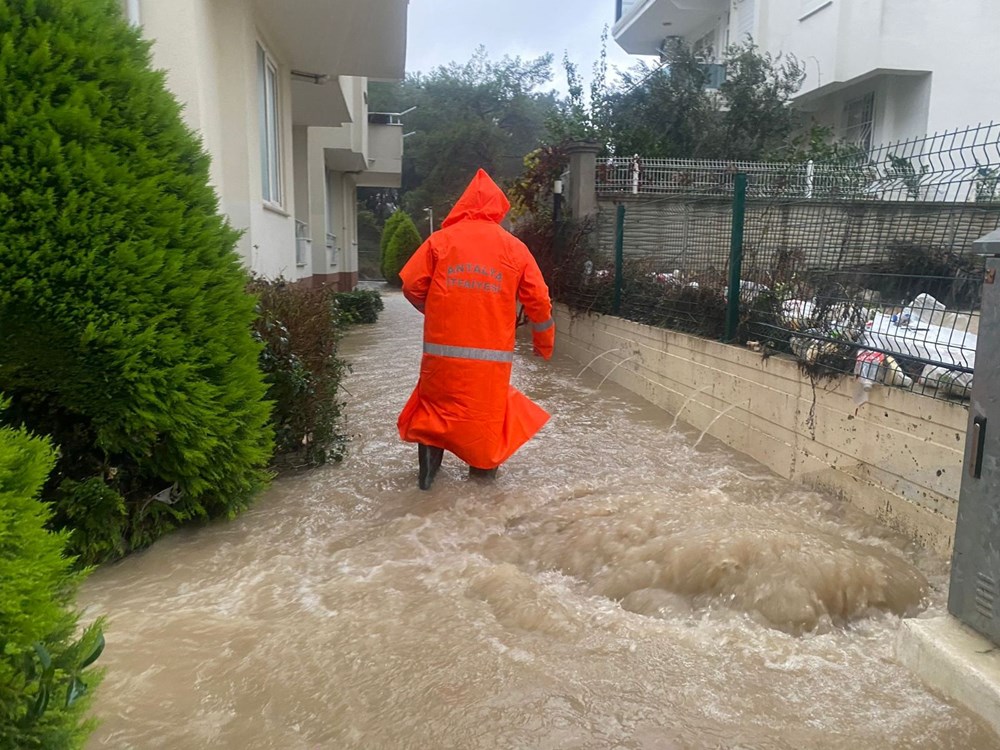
{"points": [[644, 24], [320, 101], [385, 152], [343, 148], [338, 37]]}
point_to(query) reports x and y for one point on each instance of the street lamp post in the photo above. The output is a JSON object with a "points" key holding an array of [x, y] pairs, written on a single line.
{"points": [[430, 218]]}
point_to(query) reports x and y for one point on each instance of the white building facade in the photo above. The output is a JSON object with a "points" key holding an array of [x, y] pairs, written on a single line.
{"points": [[877, 71], [278, 92]]}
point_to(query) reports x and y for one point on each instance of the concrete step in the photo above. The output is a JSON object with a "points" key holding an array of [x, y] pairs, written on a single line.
{"points": [[955, 661]]}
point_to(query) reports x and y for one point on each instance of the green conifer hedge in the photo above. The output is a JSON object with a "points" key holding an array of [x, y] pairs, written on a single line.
{"points": [[403, 243], [124, 326], [391, 225], [44, 679]]}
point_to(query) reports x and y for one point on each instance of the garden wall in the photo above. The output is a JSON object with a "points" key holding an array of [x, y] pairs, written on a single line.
{"points": [[899, 457], [693, 233]]}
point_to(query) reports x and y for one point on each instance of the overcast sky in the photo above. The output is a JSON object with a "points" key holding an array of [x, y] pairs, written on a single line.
{"points": [[442, 31]]}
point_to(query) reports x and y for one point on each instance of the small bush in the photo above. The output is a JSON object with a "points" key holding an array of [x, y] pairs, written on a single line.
{"points": [[97, 517], [403, 243], [124, 326], [359, 306], [44, 677], [300, 329], [391, 225]]}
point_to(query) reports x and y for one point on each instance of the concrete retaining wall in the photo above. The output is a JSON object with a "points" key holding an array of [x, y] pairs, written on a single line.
{"points": [[899, 457]]}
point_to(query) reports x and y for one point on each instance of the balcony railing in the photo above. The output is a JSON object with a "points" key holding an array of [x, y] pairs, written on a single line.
{"points": [[331, 249], [388, 118], [303, 243]]}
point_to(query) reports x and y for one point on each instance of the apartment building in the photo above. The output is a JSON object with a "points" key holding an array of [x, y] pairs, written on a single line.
{"points": [[877, 70], [278, 91]]}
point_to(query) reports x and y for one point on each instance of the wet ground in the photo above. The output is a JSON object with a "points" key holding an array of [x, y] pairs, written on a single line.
{"points": [[617, 587]]}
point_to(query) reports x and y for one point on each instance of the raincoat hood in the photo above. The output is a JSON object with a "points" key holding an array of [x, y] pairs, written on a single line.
{"points": [[482, 201]]}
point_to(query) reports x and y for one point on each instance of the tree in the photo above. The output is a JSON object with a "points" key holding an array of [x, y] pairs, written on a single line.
{"points": [[667, 111], [583, 118], [391, 225], [664, 112], [124, 326], [757, 119], [480, 113], [44, 678], [402, 244]]}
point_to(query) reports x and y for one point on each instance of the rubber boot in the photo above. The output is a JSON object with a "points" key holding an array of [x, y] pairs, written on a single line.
{"points": [[429, 458], [482, 474]]}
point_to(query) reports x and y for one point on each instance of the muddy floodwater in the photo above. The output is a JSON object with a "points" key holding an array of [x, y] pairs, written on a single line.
{"points": [[618, 586]]}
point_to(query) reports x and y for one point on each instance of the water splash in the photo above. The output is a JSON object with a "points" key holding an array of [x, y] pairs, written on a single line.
{"points": [[617, 365], [687, 401], [599, 356], [715, 419]]}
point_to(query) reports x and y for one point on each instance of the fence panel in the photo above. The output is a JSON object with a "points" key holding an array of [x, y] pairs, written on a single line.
{"points": [[887, 290], [865, 267]]}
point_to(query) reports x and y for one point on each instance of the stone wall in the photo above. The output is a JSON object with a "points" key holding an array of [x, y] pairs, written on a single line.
{"points": [[693, 234]]}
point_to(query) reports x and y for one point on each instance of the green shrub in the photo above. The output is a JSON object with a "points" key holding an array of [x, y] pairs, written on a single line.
{"points": [[359, 306], [44, 675], [403, 243], [391, 225], [300, 330], [97, 517], [125, 330]]}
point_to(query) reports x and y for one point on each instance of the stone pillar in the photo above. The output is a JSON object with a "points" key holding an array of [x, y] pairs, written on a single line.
{"points": [[582, 198]]}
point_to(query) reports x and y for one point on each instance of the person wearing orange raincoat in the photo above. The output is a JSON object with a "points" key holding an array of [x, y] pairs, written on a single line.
{"points": [[467, 279]]}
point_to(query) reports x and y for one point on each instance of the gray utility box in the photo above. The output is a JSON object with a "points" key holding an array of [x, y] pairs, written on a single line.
{"points": [[974, 596]]}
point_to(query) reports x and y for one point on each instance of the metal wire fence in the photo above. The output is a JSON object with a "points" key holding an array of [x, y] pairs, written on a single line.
{"points": [[953, 166], [881, 281]]}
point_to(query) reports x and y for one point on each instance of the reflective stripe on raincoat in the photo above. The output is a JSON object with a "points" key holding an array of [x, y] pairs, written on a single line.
{"points": [[467, 279]]}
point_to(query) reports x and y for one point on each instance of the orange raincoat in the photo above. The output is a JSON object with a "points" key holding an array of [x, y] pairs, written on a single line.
{"points": [[467, 279]]}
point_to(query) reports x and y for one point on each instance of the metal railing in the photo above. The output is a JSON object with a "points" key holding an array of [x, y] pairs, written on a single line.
{"points": [[331, 249], [303, 243], [953, 166], [638, 176], [388, 118]]}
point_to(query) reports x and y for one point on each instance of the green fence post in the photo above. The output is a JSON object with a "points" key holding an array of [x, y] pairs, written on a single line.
{"points": [[616, 304], [736, 256]]}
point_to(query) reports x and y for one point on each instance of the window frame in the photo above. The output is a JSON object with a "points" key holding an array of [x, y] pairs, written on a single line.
{"points": [[862, 132], [269, 93]]}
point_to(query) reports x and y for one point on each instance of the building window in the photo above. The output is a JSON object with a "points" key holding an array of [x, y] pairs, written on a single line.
{"points": [[270, 131], [859, 122], [704, 48], [622, 8]]}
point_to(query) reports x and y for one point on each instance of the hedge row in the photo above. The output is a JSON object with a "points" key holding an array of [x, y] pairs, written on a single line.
{"points": [[45, 682]]}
